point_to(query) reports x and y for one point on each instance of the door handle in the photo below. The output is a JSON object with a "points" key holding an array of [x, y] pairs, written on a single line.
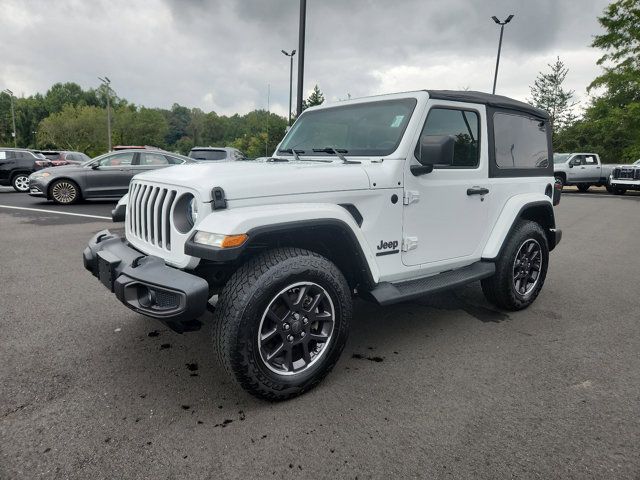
{"points": [[477, 191]]}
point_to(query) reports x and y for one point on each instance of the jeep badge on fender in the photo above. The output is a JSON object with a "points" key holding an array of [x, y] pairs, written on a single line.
{"points": [[277, 247]]}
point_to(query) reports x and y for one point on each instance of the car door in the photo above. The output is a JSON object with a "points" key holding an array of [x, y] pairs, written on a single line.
{"points": [[152, 161], [110, 175], [592, 168], [445, 215], [576, 172]]}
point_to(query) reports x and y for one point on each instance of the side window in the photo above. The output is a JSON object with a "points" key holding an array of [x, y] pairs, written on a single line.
{"points": [[521, 142], [153, 159], [3, 155], [117, 160], [174, 160], [577, 160], [463, 125], [590, 160]]}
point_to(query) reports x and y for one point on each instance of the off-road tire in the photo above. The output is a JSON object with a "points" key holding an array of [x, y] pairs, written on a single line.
{"points": [[241, 306], [500, 289], [609, 188], [20, 182], [583, 188], [64, 192], [619, 191]]}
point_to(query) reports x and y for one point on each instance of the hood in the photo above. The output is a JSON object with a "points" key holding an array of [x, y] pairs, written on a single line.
{"points": [[64, 169], [251, 179]]}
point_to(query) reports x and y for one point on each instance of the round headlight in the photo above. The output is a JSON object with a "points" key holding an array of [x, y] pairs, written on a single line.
{"points": [[192, 211]]}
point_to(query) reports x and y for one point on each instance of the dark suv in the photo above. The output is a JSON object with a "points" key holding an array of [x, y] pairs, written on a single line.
{"points": [[16, 164]]}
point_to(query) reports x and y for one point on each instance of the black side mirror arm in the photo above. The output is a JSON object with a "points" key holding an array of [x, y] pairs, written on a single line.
{"points": [[418, 170]]}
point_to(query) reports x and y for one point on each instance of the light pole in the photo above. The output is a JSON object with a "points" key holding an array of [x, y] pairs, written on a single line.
{"points": [[502, 24], [290, 55], [107, 83], [13, 117], [301, 35]]}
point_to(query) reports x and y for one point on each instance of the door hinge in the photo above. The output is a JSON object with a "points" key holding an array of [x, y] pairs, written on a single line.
{"points": [[409, 243], [410, 197]]}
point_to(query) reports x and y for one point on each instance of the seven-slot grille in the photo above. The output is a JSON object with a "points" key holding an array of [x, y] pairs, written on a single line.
{"points": [[149, 214]]}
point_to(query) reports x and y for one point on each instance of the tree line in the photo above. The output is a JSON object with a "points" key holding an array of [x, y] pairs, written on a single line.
{"points": [[610, 123], [67, 117]]}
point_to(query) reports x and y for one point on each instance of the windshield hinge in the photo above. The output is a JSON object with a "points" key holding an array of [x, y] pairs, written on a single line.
{"points": [[410, 197], [409, 243]]}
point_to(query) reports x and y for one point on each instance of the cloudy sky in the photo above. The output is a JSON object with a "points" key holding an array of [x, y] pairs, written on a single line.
{"points": [[222, 54]]}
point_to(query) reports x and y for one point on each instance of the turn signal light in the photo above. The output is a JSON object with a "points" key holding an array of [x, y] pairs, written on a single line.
{"points": [[219, 240]]}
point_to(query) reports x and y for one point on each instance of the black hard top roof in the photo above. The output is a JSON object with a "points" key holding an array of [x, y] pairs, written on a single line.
{"points": [[497, 101]]}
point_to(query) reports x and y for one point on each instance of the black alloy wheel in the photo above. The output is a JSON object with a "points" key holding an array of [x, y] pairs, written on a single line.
{"points": [[295, 328]]}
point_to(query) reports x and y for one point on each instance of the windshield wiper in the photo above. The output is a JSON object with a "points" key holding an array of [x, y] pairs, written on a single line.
{"points": [[293, 152], [338, 152]]}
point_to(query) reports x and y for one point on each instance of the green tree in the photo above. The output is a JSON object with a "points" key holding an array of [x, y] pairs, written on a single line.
{"points": [[548, 94], [81, 128], [316, 98]]}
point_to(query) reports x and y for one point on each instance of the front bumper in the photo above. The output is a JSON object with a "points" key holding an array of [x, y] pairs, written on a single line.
{"points": [[37, 188], [146, 284], [625, 184]]}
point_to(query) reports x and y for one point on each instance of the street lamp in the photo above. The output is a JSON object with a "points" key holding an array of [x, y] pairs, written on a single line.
{"points": [[502, 24], [107, 83], [301, 36], [13, 117], [290, 55]]}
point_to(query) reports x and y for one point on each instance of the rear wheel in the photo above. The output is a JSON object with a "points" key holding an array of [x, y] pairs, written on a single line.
{"points": [[282, 322], [521, 268], [20, 182], [65, 192], [619, 191], [583, 187]]}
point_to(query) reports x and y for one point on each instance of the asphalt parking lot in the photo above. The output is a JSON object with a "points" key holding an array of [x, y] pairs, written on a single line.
{"points": [[445, 387]]}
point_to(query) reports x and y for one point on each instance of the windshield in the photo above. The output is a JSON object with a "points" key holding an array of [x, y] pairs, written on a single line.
{"points": [[364, 129], [87, 162], [208, 155], [560, 157]]}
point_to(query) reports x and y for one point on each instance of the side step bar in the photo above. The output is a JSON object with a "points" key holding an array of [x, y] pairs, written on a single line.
{"points": [[387, 293]]}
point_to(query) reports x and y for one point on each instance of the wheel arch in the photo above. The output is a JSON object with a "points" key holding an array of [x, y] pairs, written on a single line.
{"points": [[538, 210], [329, 230]]}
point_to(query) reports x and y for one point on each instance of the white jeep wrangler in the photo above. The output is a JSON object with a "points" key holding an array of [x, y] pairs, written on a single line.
{"points": [[388, 198]]}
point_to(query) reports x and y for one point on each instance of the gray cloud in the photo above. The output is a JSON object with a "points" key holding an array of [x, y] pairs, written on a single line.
{"points": [[221, 54]]}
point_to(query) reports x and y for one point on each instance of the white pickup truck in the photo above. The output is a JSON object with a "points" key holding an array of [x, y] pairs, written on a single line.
{"points": [[625, 177], [581, 169], [387, 198]]}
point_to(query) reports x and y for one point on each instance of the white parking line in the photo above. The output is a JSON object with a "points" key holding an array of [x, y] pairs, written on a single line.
{"points": [[55, 212]]}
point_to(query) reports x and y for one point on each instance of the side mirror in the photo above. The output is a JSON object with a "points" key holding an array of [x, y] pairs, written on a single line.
{"points": [[434, 150], [95, 166]]}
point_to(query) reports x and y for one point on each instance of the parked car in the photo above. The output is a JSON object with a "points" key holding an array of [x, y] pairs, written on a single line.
{"points": [[390, 198], [215, 154], [16, 164], [625, 177], [107, 176], [581, 169], [59, 158]]}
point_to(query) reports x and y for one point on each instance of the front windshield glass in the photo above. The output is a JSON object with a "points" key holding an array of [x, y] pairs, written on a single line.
{"points": [[364, 129], [87, 162], [560, 157]]}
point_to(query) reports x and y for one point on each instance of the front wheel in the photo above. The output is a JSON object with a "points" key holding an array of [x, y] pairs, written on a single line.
{"points": [[559, 181], [521, 268], [619, 191], [20, 182], [65, 192], [583, 187], [281, 322]]}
